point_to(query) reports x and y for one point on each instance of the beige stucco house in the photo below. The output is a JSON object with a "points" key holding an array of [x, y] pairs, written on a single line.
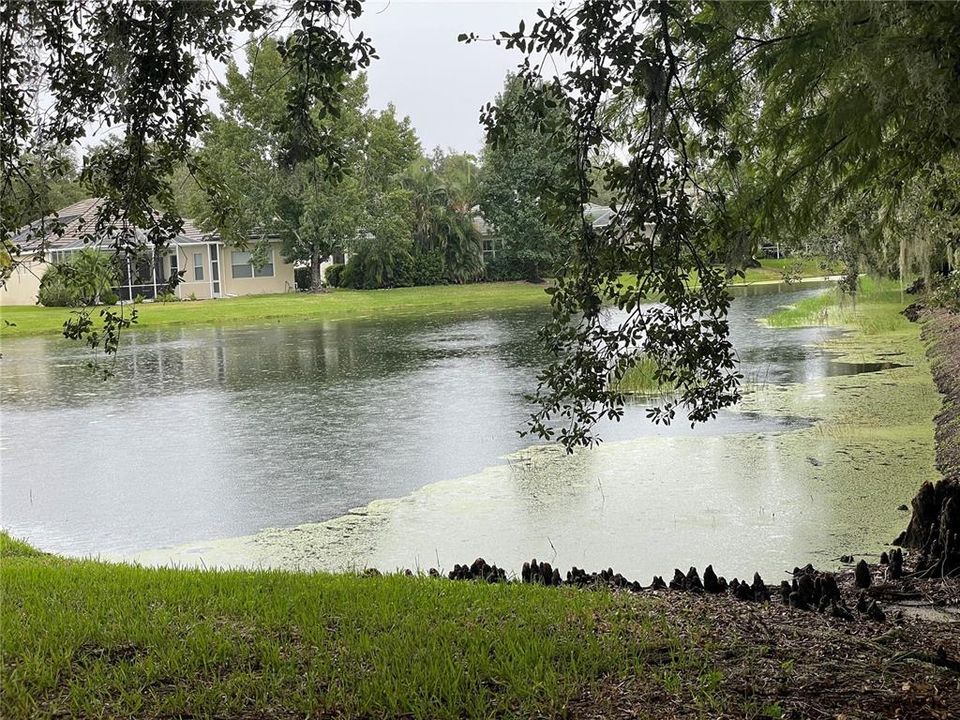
{"points": [[210, 268]]}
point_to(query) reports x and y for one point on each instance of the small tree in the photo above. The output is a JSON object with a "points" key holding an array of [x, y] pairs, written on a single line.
{"points": [[518, 178], [443, 192]]}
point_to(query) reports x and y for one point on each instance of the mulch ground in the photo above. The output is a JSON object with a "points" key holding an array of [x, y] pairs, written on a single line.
{"points": [[776, 661]]}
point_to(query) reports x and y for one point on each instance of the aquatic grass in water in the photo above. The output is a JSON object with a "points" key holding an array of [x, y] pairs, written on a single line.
{"points": [[641, 379], [868, 311]]}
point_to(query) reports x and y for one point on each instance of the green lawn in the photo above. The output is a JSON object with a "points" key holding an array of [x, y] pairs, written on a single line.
{"points": [[773, 270], [333, 305], [91, 639], [336, 304]]}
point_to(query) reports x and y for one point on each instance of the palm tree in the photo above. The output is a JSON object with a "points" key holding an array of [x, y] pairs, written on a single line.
{"points": [[427, 195], [93, 274], [462, 247], [443, 216]]}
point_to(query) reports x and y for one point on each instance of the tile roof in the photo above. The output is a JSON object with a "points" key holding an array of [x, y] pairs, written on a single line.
{"points": [[77, 223]]}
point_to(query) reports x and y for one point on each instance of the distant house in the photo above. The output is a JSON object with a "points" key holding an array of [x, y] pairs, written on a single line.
{"points": [[210, 268], [488, 236], [600, 216]]}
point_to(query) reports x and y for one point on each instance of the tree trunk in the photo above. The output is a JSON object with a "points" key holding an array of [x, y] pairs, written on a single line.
{"points": [[934, 528]]}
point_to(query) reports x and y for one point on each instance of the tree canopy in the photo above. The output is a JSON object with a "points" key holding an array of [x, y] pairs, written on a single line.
{"points": [[138, 69], [713, 126], [258, 191], [518, 176]]}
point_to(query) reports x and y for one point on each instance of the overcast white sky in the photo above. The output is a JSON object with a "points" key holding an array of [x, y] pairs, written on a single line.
{"points": [[422, 69], [439, 82]]}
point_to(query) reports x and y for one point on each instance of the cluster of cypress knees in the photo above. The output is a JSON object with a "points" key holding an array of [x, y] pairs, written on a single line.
{"points": [[810, 589]]}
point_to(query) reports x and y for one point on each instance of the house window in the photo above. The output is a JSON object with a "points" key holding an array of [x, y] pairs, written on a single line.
{"points": [[174, 264], [198, 266], [265, 270], [241, 264], [61, 256]]}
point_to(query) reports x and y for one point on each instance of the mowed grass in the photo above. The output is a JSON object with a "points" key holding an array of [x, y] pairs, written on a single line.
{"points": [[875, 309], [91, 639], [336, 304], [774, 269]]}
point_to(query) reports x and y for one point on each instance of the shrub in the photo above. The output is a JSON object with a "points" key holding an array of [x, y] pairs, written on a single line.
{"points": [[352, 274], [404, 271], [428, 269], [56, 290], [333, 275], [946, 292], [88, 277], [302, 278], [503, 267], [166, 297]]}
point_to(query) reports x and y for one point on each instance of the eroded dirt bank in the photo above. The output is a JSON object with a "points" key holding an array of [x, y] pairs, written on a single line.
{"points": [[934, 530], [942, 333]]}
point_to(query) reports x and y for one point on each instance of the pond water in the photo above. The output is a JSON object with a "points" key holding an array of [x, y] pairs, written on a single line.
{"points": [[211, 433]]}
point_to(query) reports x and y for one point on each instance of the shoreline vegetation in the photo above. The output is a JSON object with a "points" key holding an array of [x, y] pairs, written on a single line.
{"points": [[92, 639], [340, 304], [875, 308]]}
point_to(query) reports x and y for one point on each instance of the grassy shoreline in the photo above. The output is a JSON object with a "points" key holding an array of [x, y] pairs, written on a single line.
{"points": [[297, 307], [91, 639], [84, 638], [339, 304]]}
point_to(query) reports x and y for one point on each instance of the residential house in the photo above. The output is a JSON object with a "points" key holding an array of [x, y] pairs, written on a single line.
{"points": [[210, 268], [599, 215]]}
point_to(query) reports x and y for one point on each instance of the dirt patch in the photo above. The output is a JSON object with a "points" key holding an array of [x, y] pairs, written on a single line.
{"points": [[769, 660]]}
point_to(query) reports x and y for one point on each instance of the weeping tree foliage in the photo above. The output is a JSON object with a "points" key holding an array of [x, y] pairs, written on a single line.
{"points": [[139, 69], [709, 127]]}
